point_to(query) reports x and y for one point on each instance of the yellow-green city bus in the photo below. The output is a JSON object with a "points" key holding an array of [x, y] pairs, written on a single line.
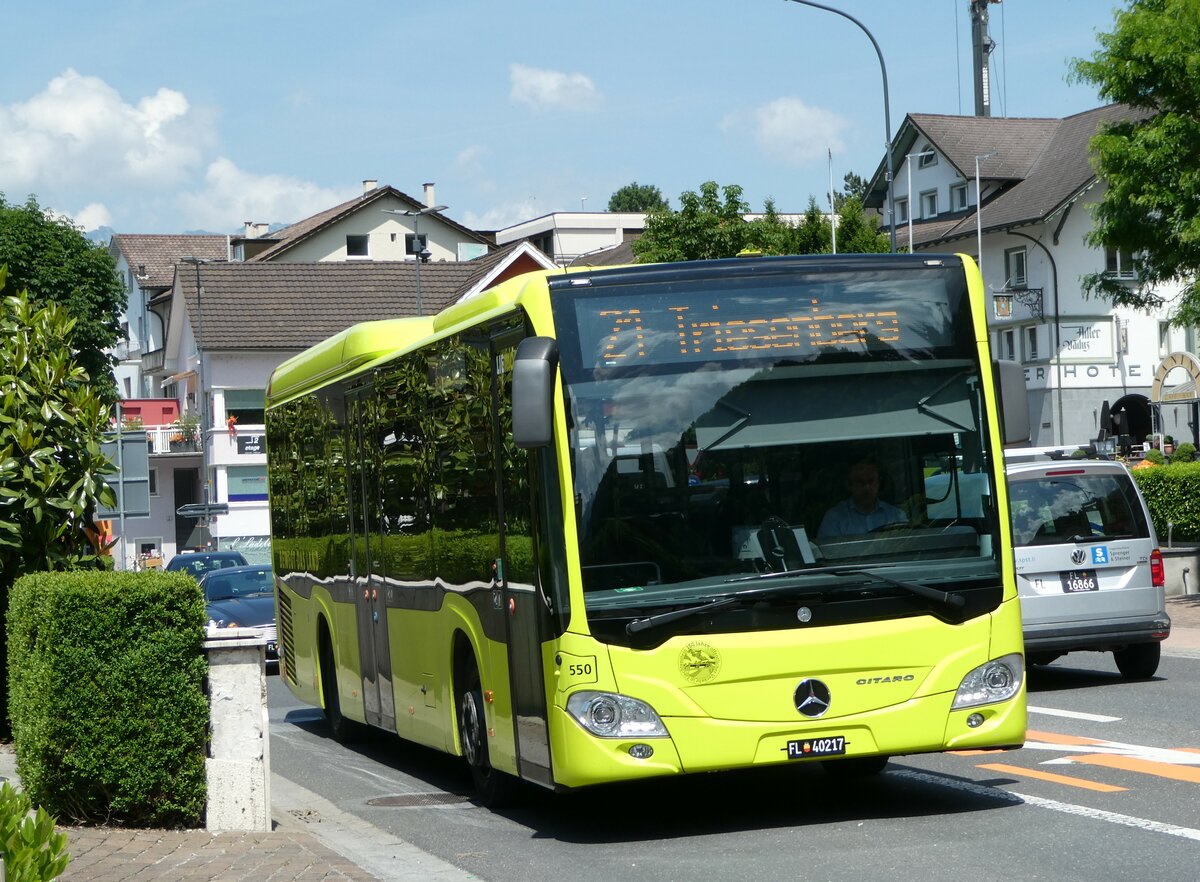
{"points": [[607, 524]]}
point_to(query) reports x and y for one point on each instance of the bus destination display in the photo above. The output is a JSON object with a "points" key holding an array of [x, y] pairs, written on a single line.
{"points": [[622, 331]]}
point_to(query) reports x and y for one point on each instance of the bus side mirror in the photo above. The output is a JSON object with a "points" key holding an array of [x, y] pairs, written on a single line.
{"points": [[533, 392], [1014, 402]]}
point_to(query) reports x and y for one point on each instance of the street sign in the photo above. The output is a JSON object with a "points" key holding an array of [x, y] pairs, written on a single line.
{"points": [[202, 510], [129, 451]]}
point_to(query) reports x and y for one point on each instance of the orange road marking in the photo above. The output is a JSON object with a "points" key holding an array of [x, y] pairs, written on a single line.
{"points": [[974, 752], [1055, 738], [1050, 776], [1146, 767], [1188, 749]]}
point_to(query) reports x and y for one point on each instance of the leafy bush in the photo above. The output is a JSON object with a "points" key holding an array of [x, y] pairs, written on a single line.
{"points": [[1170, 494], [1185, 452], [107, 699], [1155, 456], [32, 851]]}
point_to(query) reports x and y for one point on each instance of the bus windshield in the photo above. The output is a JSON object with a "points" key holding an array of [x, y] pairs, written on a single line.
{"points": [[816, 432]]}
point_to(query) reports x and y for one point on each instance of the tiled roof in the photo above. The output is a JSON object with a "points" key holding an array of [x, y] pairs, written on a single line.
{"points": [[159, 253], [617, 255], [1041, 165], [293, 235], [291, 306]]}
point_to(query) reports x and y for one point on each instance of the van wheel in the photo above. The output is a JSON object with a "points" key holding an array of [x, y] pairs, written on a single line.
{"points": [[1139, 661], [341, 729], [492, 788], [855, 766]]}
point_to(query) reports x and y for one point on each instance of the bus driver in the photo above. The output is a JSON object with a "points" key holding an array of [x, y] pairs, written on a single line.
{"points": [[863, 511]]}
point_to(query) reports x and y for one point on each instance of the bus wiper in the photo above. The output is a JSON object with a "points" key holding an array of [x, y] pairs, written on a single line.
{"points": [[675, 615], [954, 601], [1099, 537], [715, 603]]}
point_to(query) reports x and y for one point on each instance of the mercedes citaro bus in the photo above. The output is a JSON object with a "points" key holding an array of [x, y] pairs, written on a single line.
{"points": [[571, 528]]}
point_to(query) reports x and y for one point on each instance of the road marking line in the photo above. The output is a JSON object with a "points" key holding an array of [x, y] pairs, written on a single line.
{"points": [[1175, 772], [1050, 776], [1072, 715], [1054, 738], [1052, 804]]}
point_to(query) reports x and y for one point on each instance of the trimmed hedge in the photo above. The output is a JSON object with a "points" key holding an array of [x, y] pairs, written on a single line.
{"points": [[1173, 495], [106, 692]]}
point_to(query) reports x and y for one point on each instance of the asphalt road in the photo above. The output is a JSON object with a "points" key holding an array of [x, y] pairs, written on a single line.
{"points": [[1105, 788]]}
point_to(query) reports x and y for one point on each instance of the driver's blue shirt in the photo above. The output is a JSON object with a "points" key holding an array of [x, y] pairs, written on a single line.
{"points": [[846, 520]]}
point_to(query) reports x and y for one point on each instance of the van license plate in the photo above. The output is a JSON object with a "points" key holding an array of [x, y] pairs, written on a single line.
{"points": [[1074, 581], [831, 745]]}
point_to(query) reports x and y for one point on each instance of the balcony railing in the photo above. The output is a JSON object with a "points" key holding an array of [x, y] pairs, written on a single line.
{"points": [[168, 439], [153, 361]]}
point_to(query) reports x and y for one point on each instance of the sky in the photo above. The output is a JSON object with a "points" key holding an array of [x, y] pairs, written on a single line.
{"points": [[200, 115]]}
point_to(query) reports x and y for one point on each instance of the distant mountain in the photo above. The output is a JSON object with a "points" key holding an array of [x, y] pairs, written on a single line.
{"points": [[101, 235]]}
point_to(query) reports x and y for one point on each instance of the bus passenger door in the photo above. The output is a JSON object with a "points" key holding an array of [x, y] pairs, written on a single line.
{"points": [[523, 603], [369, 592]]}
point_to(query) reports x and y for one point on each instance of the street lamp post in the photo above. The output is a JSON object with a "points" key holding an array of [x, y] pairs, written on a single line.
{"points": [[201, 402], [887, 116], [908, 168], [979, 212], [419, 252]]}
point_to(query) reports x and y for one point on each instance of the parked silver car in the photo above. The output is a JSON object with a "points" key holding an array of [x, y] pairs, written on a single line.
{"points": [[1089, 570]]}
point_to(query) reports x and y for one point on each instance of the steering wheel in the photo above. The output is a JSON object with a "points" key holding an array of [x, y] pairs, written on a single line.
{"points": [[893, 527]]}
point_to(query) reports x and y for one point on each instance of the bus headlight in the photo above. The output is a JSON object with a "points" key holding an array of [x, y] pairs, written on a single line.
{"points": [[611, 715], [998, 680]]}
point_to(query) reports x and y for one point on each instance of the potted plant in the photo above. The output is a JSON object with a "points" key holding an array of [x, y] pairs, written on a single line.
{"points": [[1151, 441], [185, 433], [1168, 445]]}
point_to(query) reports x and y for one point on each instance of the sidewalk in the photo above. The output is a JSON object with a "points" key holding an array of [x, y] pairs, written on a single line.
{"points": [[314, 841], [311, 841]]}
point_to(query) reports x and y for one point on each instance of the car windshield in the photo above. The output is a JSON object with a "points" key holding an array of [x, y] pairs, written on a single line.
{"points": [[689, 474], [1063, 507], [237, 584]]}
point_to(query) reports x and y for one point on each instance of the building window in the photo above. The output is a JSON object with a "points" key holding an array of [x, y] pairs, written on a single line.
{"points": [[1118, 264], [1014, 268], [1008, 346], [901, 211], [153, 482], [358, 246], [1164, 339], [929, 206], [247, 406], [411, 246], [1031, 343], [247, 483], [926, 157], [958, 197]]}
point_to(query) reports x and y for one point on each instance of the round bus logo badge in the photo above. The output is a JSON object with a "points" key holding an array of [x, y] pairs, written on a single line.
{"points": [[812, 698], [699, 662]]}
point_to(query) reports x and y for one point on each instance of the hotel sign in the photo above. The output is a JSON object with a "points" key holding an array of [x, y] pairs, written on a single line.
{"points": [[1086, 342]]}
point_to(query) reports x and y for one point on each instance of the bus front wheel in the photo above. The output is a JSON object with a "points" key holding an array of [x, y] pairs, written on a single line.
{"points": [[340, 728], [492, 787]]}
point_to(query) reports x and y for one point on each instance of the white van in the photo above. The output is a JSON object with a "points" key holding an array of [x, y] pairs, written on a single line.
{"points": [[1089, 571]]}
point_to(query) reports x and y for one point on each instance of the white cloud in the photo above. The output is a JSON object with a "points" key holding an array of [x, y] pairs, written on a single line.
{"points": [[500, 216], [92, 216], [80, 130], [790, 131], [543, 89], [232, 196], [469, 160]]}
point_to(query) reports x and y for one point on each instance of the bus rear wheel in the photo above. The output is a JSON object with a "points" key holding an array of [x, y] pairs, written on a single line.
{"points": [[492, 788]]}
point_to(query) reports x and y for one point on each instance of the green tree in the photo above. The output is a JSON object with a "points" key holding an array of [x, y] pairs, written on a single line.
{"points": [[857, 233], [51, 426], [1150, 163], [638, 197], [853, 187], [708, 224], [50, 258]]}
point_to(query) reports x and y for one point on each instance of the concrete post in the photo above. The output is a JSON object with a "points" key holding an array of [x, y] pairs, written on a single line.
{"points": [[239, 760]]}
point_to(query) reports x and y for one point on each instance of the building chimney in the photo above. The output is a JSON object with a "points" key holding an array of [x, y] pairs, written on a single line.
{"points": [[429, 198], [261, 230], [248, 229], [369, 185]]}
